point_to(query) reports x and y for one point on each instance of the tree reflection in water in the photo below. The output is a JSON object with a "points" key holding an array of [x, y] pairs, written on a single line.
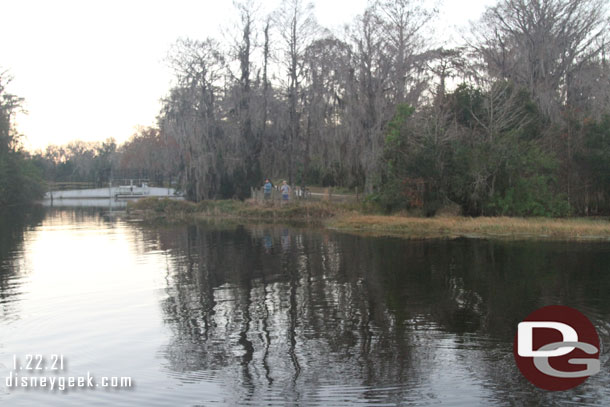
{"points": [[281, 311], [14, 224]]}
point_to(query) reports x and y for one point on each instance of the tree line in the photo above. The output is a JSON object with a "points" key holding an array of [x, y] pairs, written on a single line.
{"points": [[25, 176], [20, 180], [515, 120], [145, 156]]}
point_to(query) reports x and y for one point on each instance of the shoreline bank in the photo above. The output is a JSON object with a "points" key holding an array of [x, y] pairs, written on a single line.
{"points": [[349, 219]]}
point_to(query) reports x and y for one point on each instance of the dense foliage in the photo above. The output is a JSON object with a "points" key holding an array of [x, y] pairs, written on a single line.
{"points": [[20, 180], [477, 149], [378, 107]]}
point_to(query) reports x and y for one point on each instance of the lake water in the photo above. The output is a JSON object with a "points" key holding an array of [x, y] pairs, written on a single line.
{"points": [[223, 314]]}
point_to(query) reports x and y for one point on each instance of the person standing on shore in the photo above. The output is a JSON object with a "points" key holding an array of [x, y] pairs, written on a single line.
{"points": [[267, 189], [285, 188]]}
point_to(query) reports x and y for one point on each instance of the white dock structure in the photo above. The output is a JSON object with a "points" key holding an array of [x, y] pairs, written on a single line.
{"points": [[118, 192]]}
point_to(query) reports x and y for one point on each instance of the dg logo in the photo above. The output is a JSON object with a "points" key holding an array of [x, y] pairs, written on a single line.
{"points": [[557, 348]]}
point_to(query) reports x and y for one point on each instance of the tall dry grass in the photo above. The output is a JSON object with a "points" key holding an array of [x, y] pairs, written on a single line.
{"points": [[167, 209], [497, 227]]}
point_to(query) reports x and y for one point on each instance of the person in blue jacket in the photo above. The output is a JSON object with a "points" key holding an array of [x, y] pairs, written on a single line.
{"points": [[267, 189]]}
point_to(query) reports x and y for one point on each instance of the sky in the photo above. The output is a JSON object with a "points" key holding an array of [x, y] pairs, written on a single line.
{"points": [[90, 70]]}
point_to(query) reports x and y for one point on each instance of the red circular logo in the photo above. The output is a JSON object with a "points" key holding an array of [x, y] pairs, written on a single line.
{"points": [[556, 348]]}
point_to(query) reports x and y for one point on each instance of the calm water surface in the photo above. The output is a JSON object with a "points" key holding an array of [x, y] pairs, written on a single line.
{"points": [[214, 314]]}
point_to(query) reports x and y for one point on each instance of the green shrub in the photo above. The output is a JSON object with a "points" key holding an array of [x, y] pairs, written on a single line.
{"points": [[530, 197]]}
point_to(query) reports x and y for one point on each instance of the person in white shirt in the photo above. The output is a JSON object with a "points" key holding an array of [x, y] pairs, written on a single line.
{"points": [[285, 188]]}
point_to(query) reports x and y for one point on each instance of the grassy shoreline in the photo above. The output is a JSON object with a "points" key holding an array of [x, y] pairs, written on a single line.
{"points": [[174, 210], [351, 219], [483, 227]]}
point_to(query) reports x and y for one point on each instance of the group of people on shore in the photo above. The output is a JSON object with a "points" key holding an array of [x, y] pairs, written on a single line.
{"points": [[284, 189]]}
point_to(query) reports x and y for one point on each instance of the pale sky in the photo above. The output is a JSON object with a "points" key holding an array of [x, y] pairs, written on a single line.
{"points": [[93, 69]]}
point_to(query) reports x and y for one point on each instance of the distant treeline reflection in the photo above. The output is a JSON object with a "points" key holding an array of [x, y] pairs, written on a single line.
{"points": [[14, 223]]}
